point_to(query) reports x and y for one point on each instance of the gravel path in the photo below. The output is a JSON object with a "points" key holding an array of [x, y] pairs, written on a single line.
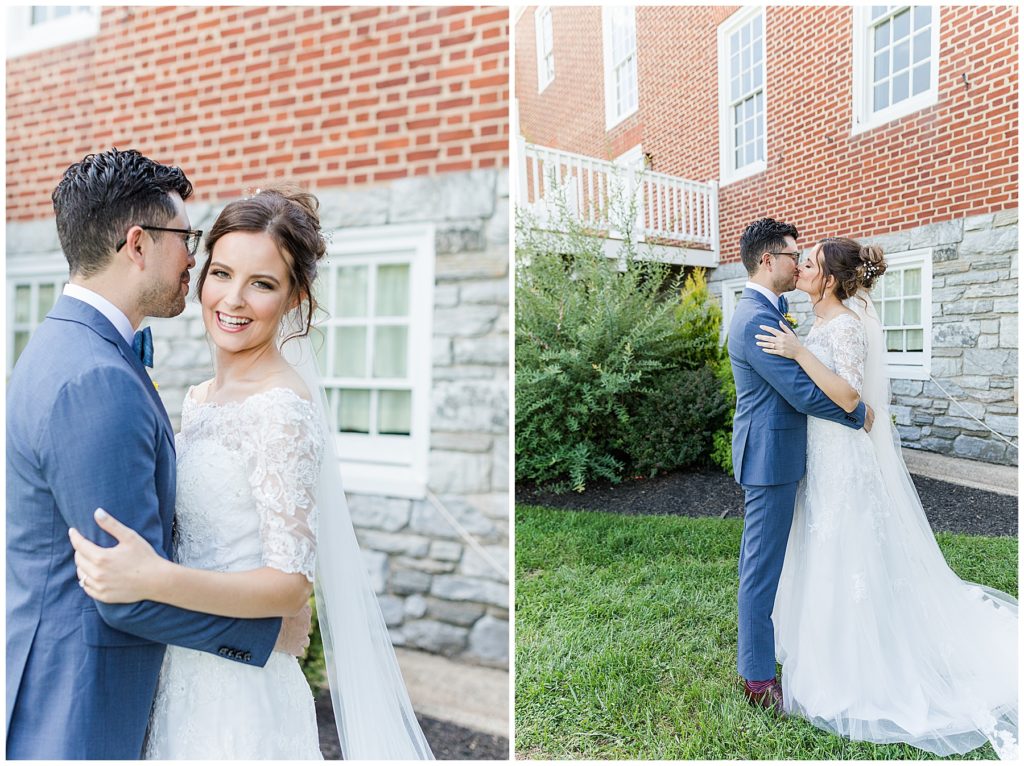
{"points": [[949, 507], [448, 741]]}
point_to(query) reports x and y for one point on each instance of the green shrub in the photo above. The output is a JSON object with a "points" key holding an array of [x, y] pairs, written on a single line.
{"points": [[721, 453], [673, 425], [604, 367], [312, 662]]}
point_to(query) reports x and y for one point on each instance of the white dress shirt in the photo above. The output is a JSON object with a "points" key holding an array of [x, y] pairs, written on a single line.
{"points": [[105, 307]]}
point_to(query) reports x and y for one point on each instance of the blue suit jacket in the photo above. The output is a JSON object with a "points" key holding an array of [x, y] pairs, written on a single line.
{"points": [[773, 398], [85, 428]]}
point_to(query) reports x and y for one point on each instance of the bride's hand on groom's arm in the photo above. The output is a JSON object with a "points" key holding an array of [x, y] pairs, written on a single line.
{"points": [[780, 342], [129, 571]]}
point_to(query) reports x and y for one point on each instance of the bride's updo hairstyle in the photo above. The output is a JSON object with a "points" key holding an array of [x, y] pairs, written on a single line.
{"points": [[291, 217], [853, 265]]}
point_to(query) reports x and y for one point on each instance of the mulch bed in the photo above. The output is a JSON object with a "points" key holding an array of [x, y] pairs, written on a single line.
{"points": [[949, 507], [448, 741]]}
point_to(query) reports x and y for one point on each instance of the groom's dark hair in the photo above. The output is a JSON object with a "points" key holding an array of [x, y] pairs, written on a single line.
{"points": [[763, 234], [104, 195]]}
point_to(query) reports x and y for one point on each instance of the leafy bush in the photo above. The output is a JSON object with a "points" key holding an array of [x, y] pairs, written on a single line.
{"points": [[312, 662], [721, 453], [609, 382], [673, 425]]}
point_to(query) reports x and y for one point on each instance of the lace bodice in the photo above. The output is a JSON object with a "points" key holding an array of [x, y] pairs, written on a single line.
{"points": [[247, 473], [841, 345]]}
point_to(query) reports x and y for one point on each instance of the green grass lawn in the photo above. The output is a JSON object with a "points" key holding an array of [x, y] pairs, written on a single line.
{"points": [[626, 641]]}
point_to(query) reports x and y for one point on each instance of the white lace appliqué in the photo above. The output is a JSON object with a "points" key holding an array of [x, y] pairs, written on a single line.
{"points": [[247, 473]]}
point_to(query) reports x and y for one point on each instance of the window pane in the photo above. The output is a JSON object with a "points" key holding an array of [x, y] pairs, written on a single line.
{"points": [[350, 352], [901, 25], [881, 95], [891, 317], [319, 341], [20, 341], [922, 16], [46, 301], [734, 43], [393, 290], [881, 36], [354, 411], [389, 352], [394, 412], [22, 300], [900, 87], [922, 76], [746, 58], [912, 282], [758, 56], [901, 56], [912, 311], [881, 65], [748, 83], [745, 34], [915, 340], [894, 340], [922, 46], [351, 292]]}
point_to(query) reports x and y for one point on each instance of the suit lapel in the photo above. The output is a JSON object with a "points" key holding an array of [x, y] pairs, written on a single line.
{"points": [[756, 296], [73, 310]]}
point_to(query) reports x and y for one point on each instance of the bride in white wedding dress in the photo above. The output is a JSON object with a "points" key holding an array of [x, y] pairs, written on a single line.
{"points": [[879, 639], [257, 490]]}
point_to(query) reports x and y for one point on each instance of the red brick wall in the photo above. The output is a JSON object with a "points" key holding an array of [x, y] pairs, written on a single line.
{"points": [[326, 96], [956, 158]]}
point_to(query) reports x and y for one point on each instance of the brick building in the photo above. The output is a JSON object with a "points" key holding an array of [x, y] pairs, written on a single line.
{"points": [[397, 119], [892, 124]]}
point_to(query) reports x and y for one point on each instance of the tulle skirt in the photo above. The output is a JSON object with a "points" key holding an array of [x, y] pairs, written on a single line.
{"points": [[879, 640]]}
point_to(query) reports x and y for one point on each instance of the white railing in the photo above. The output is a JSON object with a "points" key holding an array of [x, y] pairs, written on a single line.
{"points": [[596, 192]]}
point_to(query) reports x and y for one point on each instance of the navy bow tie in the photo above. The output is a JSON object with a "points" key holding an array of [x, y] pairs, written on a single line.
{"points": [[783, 304], [142, 345]]}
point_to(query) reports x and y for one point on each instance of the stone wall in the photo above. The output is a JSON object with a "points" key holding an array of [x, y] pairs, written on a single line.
{"points": [[436, 590], [974, 337]]}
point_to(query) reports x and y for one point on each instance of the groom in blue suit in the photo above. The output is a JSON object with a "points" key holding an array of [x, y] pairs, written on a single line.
{"points": [[86, 428], [769, 445]]}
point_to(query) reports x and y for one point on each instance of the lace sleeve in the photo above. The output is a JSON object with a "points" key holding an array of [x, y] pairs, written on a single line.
{"points": [[849, 349], [284, 465]]}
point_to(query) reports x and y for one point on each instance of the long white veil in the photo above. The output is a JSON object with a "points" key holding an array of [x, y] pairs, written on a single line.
{"points": [[374, 716], [999, 725]]}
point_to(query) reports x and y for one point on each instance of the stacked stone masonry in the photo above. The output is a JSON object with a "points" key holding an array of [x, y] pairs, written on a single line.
{"points": [[437, 592], [974, 338]]}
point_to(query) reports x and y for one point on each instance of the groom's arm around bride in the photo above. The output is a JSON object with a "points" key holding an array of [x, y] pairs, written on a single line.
{"points": [[86, 429]]}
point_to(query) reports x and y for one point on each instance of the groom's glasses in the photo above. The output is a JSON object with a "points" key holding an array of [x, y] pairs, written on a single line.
{"points": [[192, 237], [794, 256]]}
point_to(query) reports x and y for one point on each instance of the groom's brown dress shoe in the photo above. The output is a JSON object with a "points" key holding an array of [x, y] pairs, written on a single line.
{"points": [[770, 699]]}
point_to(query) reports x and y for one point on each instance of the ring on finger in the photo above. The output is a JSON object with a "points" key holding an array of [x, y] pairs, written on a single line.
{"points": [[81, 582]]}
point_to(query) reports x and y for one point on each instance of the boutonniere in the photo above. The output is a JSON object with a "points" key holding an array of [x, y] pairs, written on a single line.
{"points": [[791, 319]]}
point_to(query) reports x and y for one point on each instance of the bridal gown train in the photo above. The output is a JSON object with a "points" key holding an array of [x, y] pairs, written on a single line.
{"points": [[246, 472], [879, 639]]}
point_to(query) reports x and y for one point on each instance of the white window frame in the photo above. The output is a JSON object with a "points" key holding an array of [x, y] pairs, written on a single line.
{"points": [[912, 365], [545, 76], [611, 116], [25, 37], [726, 148], [49, 269], [396, 466], [729, 287], [864, 118]]}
